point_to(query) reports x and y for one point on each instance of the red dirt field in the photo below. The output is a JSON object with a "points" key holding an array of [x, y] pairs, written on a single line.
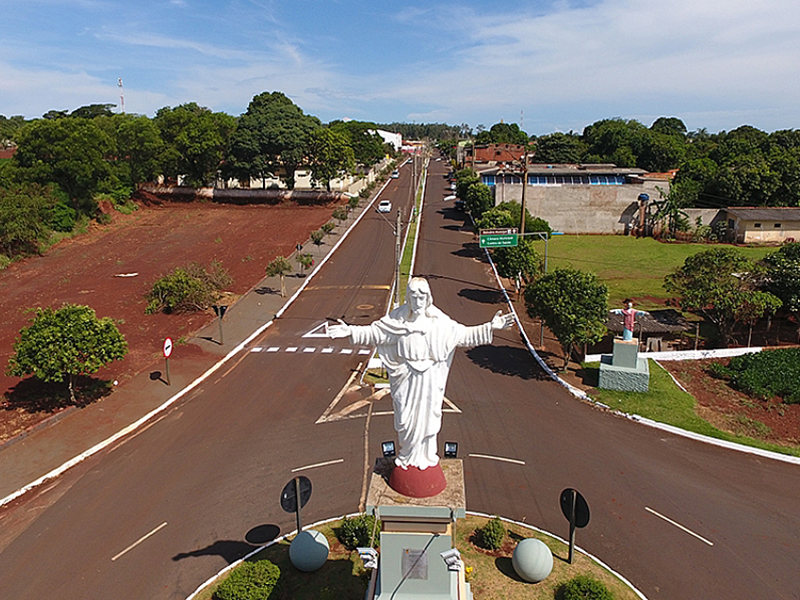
{"points": [[150, 242]]}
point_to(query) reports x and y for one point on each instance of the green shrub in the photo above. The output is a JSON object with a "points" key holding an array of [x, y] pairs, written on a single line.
{"points": [[719, 371], [766, 374], [357, 532], [187, 289], [249, 581], [584, 587], [340, 214], [62, 217], [328, 227], [353, 202], [491, 535], [317, 236]]}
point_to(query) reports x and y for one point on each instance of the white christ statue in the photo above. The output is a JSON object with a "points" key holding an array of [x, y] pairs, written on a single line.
{"points": [[416, 342]]}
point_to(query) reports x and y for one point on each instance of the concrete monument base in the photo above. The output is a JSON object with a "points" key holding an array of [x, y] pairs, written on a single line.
{"points": [[624, 379], [416, 531]]}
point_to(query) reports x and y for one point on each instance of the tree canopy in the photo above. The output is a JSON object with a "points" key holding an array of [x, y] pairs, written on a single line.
{"points": [[573, 304], [329, 156], [66, 343], [719, 284]]}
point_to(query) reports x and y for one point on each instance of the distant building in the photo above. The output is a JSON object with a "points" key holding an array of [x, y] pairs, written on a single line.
{"points": [[395, 139], [576, 198], [764, 225]]}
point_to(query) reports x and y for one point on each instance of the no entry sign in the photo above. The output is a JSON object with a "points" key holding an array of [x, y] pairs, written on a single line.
{"points": [[167, 347]]}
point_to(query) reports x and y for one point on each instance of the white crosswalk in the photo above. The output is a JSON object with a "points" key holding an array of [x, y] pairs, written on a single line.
{"points": [[311, 350]]}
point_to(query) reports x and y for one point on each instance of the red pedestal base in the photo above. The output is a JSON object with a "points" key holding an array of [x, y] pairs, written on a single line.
{"points": [[418, 483]]}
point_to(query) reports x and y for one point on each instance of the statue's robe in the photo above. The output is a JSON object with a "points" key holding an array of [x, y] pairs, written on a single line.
{"points": [[417, 356]]}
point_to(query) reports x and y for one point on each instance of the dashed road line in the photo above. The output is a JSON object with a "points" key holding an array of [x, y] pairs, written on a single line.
{"points": [[321, 464], [500, 458], [139, 541], [678, 525]]}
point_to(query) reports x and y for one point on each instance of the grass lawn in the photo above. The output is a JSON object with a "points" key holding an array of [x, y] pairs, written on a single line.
{"points": [[492, 575], [667, 403], [630, 267]]}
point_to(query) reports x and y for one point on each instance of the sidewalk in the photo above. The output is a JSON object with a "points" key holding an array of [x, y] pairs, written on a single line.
{"points": [[50, 448]]}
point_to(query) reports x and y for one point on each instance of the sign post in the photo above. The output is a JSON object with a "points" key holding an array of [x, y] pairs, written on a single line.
{"points": [[503, 237], [167, 352], [219, 310], [575, 509], [295, 495]]}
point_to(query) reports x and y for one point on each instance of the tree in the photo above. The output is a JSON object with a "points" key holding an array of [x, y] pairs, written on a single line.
{"points": [[479, 199], [502, 133], [329, 156], [669, 125], [139, 145], [67, 342], [25, 212], [70, 152], [280, 267], [521, 261], [90, 111], [186, 289], [464, 179], [718, 284], [273, 133], [573, 304], [782, 276], [305, 261], [560, 148], [317, 236], [368, 146], [195, 141]]}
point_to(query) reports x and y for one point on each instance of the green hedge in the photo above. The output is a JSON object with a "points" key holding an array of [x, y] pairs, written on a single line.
{"points": [[357, 532], [250, 581], [491, 535], [583, 587]]}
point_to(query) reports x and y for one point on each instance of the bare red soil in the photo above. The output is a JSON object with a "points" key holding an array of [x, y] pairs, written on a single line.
{"points": [[112, 267]]}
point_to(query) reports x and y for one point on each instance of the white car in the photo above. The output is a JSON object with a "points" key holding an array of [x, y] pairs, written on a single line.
{"points": [[384, 206], [450, 197], [395, 174]]}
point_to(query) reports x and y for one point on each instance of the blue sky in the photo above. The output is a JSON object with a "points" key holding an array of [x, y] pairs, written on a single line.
{"points": [[551, 66]]}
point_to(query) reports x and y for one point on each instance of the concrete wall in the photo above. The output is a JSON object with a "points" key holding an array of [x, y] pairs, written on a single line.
{"points": [[583, 208]]}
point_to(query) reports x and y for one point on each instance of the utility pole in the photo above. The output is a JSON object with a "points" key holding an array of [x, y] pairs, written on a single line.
{"points": [[524, 187], [398, 257]]}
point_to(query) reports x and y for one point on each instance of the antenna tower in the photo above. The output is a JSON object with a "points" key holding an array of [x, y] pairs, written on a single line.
{"points": [[121, 96]]}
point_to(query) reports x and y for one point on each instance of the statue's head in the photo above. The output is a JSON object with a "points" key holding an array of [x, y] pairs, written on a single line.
{"points": [[418, 295], [628, 303]]}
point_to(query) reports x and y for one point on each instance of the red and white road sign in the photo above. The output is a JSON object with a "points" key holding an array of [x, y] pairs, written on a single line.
{"points": [[167, 347]]}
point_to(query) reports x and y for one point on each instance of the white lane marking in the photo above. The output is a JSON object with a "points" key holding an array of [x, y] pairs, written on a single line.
{"points": [[309, 349], [322, 464], [500, 458], [256, 349], [292, 349], [678, 525], [320, 331], [140, 540], [273, 349], [327, 350], [364, 351], [346, 351]]}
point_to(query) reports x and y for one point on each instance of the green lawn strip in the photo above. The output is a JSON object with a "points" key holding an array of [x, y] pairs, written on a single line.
{"points": [[667, 403], [631, 267], [408, 250], [492, 576]]}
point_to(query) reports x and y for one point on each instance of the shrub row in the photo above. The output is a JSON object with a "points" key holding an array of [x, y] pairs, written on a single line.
{"points": [[764, 374]]}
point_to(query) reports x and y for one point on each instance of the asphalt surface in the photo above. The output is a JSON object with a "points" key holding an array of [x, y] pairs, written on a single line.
{"points": [[163, 508]]}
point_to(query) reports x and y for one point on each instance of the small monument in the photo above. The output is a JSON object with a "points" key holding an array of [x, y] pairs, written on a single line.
{"points": [[624, 370], [416, 342]]}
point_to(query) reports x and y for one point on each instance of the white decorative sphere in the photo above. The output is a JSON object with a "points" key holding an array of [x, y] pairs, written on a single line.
{"points": [[532, 560], [309, 550]]}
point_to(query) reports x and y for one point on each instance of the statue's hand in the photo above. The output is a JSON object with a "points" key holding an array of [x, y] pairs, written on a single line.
{"points": [[342, 330], [501, 321]]}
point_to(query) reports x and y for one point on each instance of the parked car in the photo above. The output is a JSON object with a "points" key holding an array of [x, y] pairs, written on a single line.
{"points": [[395, 174], [450, 197], [459, 205], [384, 206]]}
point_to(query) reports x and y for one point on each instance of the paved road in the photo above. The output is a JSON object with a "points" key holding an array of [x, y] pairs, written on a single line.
{"points": [[203, 480]]}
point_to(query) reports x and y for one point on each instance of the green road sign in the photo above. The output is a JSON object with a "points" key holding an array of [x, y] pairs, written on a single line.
{"points": [[503, 237]]}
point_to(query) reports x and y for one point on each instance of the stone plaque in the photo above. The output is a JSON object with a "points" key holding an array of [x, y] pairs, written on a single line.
{"points": [[415, 564]]}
